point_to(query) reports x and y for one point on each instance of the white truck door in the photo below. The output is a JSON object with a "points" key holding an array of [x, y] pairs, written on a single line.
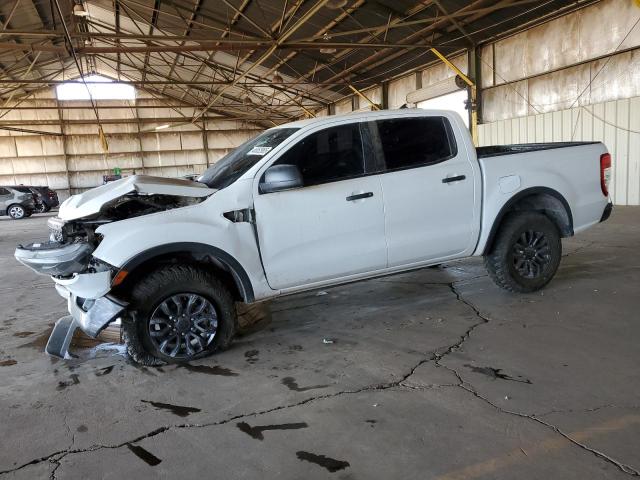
{"points": [[333, 226], [429, 189]]}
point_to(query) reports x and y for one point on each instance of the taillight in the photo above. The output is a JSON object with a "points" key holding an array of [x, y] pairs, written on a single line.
{"points": [[605, 173]]}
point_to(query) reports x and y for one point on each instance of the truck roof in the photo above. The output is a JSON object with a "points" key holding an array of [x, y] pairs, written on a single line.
{"points": [[355, 116]]}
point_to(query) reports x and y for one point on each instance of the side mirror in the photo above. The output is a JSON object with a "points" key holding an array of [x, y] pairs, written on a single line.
{"points": [[281, 177]]}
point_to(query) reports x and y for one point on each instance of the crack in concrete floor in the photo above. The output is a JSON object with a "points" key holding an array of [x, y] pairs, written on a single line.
{"points": [[437, 357]]}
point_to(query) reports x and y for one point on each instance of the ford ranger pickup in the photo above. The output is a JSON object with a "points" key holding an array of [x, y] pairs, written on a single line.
{"points": [[307, 205]]}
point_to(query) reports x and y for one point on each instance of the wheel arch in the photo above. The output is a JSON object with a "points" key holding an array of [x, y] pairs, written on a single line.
{"points": [[220, 262], [545, 200]]}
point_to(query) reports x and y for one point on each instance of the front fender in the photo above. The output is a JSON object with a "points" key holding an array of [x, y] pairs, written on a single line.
{"points": [[233, 243]]}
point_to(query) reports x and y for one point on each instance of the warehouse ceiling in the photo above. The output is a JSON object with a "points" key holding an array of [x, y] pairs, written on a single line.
{"points": [[242, 58]]}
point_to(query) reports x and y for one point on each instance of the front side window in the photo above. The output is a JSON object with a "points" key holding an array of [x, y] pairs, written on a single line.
{"points": [[412, 142], [329, 155], [233, 165]]}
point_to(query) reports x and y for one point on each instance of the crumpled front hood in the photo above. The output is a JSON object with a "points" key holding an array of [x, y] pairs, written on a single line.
{"points": [[90, 202]]}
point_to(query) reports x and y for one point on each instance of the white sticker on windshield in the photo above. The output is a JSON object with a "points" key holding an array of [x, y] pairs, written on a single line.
{"points": [[259, 151]]}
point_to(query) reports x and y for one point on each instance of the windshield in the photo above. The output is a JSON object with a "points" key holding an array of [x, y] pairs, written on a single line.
{"points": [[233, 165]]}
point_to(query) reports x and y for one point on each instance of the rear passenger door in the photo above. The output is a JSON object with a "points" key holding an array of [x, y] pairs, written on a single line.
{"points": [[428, 189]]}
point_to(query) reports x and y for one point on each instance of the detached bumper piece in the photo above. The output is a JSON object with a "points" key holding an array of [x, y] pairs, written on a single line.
{"points": [[607, 212], [91, 316], [52, 258]]}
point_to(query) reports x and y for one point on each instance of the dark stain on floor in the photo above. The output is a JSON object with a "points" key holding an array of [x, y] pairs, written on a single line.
{"points": [[104, 371], [256, 432], [82, 429], [251, 355], [74, 380], [210, 370], [178, 410], [23, 334], [329, 463], [144, 454], [291, 384], [497, 373], [41, 340], [7, 363]]}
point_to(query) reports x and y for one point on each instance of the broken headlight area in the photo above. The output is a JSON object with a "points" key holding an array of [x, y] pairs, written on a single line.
{"points": [[56, 259]]}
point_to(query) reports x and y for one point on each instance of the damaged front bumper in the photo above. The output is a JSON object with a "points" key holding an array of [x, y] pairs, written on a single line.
{"points": [[90, 307], [90, 315]]}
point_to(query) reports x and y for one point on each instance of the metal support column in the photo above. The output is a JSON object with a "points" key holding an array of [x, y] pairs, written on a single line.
{"points": [[64, 145], [472, 90], [205, 143]]}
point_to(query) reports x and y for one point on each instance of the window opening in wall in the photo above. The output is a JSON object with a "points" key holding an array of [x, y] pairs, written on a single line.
{"points": [[100, 88], [451, 101]]}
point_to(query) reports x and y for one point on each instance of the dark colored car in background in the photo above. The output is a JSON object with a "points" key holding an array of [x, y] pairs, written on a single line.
{"points": [[46, 199], [16, 203]]}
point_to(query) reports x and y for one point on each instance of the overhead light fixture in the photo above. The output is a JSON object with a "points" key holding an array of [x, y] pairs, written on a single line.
{"points": [[336, 4], [162, 127], [277, 78], [326, 37], [247, 100], [79, 10]]}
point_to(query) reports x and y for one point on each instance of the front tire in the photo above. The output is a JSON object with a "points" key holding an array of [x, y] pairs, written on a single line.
{"points": [[526, 253], [179, 313]]}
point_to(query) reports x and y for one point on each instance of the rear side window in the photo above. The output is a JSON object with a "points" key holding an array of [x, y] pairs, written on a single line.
{"points": [[329, 155], [412, 142], [4, 191]]}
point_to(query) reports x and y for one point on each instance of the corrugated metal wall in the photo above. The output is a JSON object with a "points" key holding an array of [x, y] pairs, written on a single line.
{"points": [[75, 162], [616, 123]]}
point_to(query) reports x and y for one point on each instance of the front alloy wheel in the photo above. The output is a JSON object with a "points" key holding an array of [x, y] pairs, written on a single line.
{"points": [[178, 313], [183, 325]]}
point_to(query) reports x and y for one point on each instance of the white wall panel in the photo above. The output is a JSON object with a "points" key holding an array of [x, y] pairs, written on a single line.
{"points": [[615, 123]]}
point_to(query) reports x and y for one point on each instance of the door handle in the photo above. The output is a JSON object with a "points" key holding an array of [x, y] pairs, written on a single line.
{"points": [[457, 178], [359, 196]]}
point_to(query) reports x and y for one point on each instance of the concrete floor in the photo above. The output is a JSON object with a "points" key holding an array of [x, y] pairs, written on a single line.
{"points": [[436, 374]]}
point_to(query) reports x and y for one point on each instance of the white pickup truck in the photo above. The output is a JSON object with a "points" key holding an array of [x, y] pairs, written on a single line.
{"points": [[308, 205]]}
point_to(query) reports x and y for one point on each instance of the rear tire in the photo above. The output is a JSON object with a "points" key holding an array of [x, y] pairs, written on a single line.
{"points": [[526, 253], [179, 313], [41, 208], [16, 211]]}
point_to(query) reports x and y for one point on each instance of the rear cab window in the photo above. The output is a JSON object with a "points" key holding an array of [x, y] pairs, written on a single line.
{"points": [[402, 143]]}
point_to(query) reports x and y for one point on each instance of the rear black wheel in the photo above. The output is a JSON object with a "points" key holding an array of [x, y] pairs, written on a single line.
{"points": [[179, 313], [41, 208], [526, 253]]}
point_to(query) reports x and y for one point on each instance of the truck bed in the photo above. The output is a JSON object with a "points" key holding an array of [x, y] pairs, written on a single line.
{"points": [[497, 150]]}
